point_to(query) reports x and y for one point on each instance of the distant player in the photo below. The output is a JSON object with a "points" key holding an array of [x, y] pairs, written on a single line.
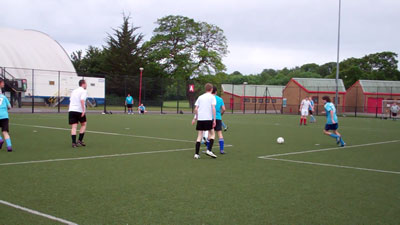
{"points": [[142, 109], [220, 110], [77, 113], [332, 121], [311, 110], [304, 107], [4, 119], [129, 104], [205, 115], [394, 109]]}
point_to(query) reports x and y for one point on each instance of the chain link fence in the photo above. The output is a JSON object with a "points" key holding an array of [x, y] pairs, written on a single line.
{"points": [[35, 91]]}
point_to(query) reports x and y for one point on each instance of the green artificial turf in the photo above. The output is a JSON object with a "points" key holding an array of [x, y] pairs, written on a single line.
{"points": [[173, 188]]}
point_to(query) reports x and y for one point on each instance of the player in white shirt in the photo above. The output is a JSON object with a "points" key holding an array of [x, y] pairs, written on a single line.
{"points": [[77, 113], [394, 109], [205, 116], [304, 108]]}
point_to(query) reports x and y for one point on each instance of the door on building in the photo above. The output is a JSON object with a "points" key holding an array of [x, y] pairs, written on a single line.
{"points": [[374, 104]]}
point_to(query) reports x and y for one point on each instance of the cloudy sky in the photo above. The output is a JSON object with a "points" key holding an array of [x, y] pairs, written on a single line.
{"points": [[261, 33]]}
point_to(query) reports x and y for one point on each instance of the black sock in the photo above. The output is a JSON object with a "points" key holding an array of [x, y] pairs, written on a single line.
{"points": [[81, 136], [211, 144], [73, 139], [197, 147]]}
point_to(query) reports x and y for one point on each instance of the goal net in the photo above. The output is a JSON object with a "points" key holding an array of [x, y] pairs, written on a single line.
{"points": [[386, 105]]}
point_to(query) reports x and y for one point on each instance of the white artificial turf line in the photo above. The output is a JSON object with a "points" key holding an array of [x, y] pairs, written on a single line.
{"points": [[34, 212]]}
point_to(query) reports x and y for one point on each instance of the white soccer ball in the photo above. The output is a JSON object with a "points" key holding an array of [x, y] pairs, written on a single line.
{"points": [[280, 140]]}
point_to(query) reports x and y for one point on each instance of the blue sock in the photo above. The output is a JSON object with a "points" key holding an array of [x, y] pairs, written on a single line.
{"points": [[341, 141], [221, 144], [334, 136], [8, 141], [223, 125], [208, 145]]}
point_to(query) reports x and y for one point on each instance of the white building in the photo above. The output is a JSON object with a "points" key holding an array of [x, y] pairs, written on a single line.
{"points": [[30, 54]]}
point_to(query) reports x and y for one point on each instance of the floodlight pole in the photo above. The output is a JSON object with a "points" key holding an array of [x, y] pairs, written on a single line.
{"points": [[337, 60], [140, 86]]}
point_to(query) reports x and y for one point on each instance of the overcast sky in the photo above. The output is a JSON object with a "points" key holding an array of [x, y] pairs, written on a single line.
{"points": [[261, 33]]}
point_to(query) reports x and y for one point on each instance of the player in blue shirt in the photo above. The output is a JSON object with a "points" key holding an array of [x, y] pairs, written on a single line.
{"points": [[4, 107], [142, 109], [332, 121], [220, 110], [129, 103], [311, 110]]}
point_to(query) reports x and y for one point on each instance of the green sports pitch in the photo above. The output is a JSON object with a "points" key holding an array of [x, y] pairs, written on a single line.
{"points": [[140, 170]]}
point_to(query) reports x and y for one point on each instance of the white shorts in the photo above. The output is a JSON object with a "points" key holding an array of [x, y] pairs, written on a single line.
{"points": [[304, 112]]}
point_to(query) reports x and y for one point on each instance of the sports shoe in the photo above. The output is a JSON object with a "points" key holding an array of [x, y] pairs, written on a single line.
{"points": [[222, 152], [81, 143], [1, 144], [196, 156], [226, 128], [74, 145], [343, 145], [211, 154], [9, 149]]}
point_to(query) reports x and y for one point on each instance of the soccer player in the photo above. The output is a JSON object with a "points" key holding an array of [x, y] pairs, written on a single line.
{"points": [[205, 115], [332, 121], [129, 103], [77, 113], [304, 106], [394, 109], [311, 110], [219, 111], [4, 121], [142, 109]]}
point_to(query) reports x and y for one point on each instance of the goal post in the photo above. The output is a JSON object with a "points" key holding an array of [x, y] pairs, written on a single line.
{"points": [[386, 104]]}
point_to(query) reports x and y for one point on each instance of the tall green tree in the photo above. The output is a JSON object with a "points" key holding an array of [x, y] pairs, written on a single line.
{"points": [[185, 48]]}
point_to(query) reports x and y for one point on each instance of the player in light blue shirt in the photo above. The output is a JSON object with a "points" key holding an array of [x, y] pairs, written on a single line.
{"points": [[142, 109], [129, 103], [4, 119], [332, 121], [220, 110]]}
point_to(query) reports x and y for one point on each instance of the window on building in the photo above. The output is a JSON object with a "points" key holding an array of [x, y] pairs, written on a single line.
{"points": [[51, 82], [254, 100], [315, 99], [246, 100], [273, 100], [260, 100], [267, 100]]}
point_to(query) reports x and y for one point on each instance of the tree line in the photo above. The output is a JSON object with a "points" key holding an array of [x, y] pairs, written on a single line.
{"points": [[184, 51]]}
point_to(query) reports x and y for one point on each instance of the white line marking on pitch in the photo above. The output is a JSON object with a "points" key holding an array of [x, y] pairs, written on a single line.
{"points": [[106, 133], [99, 156], [37, 213], [327, 149], [333, 165], [272, 157]]}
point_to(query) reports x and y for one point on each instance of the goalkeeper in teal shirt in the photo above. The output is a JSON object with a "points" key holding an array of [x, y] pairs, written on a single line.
{"points": [[4, 120]]}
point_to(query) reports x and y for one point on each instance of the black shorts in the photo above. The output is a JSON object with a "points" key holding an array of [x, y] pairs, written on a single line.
{"points": [[76, 117], [142, 111], [218, 126], [331, 126], [204, 125], [394, 114], [4, 125], [129, 105], [310, 112]]}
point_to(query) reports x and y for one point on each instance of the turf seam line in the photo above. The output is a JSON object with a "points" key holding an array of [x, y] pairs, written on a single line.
{"points": [[105, 133], [34, 212], [99, 156], [327, 149], [333, 165]]}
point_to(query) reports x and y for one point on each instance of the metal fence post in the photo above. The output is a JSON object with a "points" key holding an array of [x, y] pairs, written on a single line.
{"points": [[255, 97], [232, 98], [59, 97], [33, 91], [177, 97], [355, 109], [376, 107]]}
